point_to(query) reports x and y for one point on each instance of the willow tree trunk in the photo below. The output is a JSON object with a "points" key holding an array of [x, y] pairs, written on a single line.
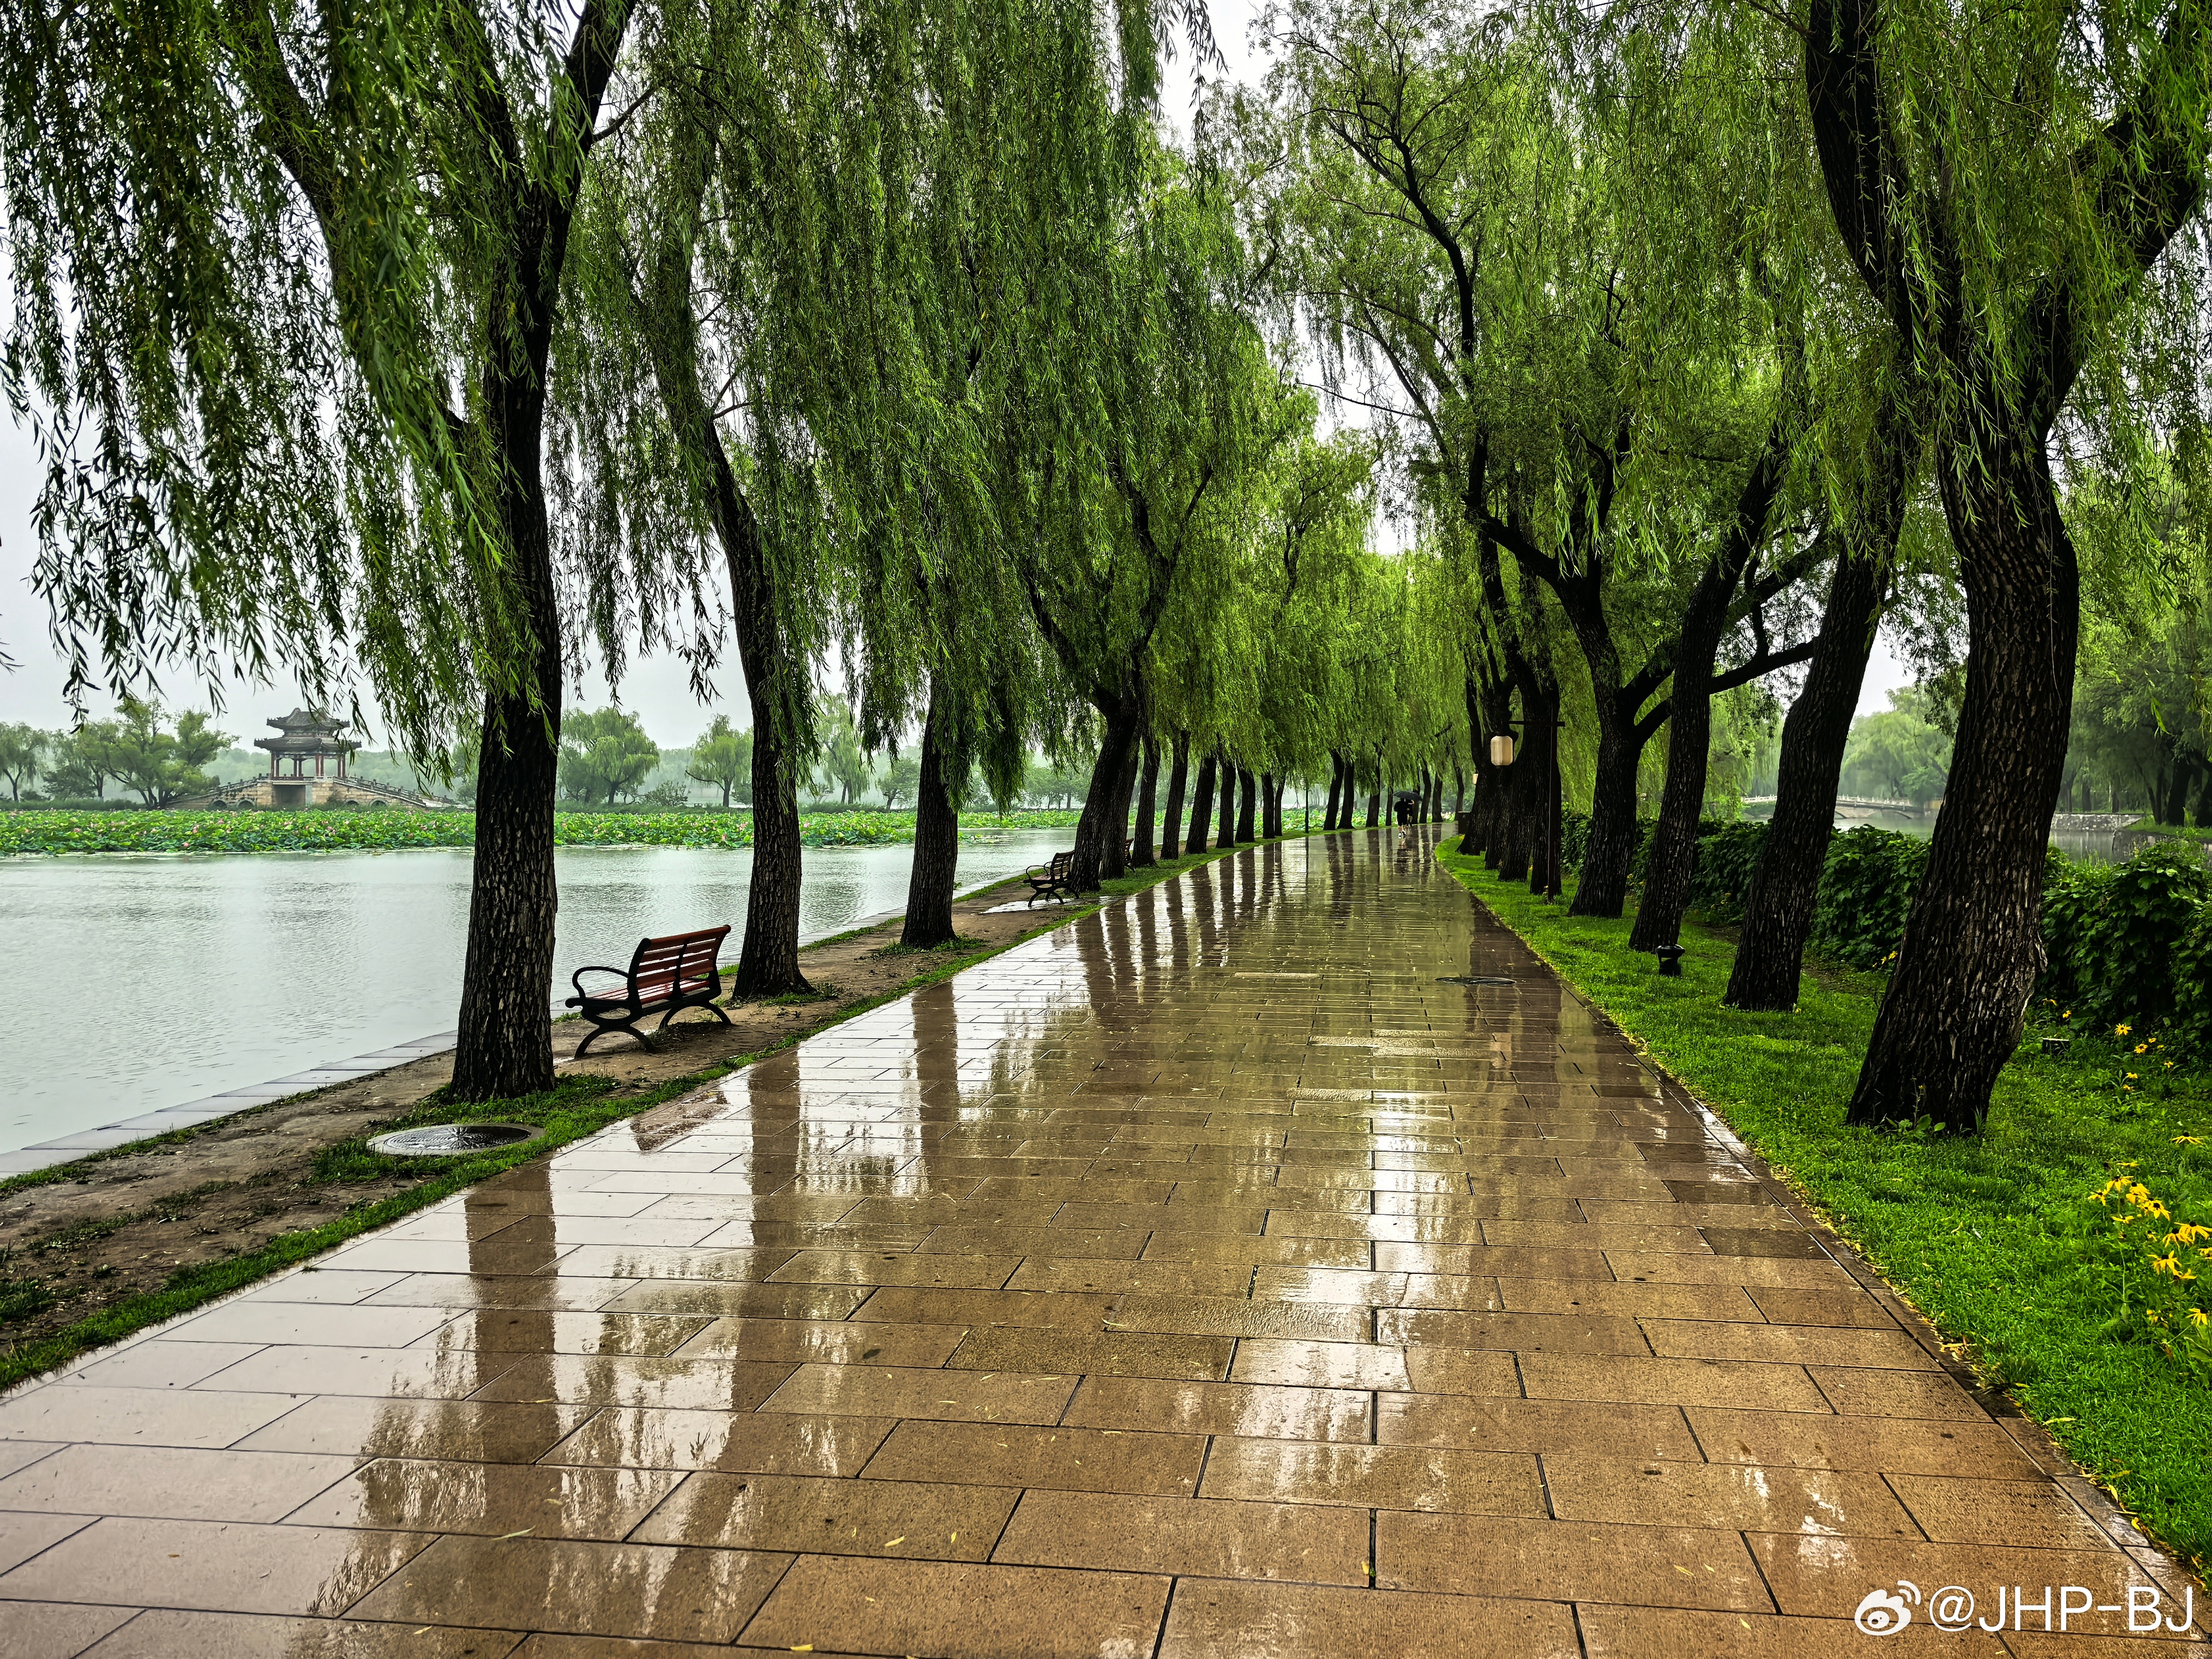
{"points": [[505, 1047], [1225, 835], [1609, 861], [1247, 790], [1374, 809], [1271, 807], [1489, 709], [1201, 807], [1141, 856], [1690, 734], [1973, 942], [1785, 882], [1514, 850], [1543, 800], [768, 964], [1171, 819], [1335, 791], [1101, 851], [936, 843], [1681, 800]]}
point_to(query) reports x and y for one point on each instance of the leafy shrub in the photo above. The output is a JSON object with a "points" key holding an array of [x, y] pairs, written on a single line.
{"points": [[1866, 893], [2123, 939], [1721, 874], [1574, 837], [2192, 987]]}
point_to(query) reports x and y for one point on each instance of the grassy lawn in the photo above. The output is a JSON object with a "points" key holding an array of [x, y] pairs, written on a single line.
{"points": [[1982, 1234], [2182, 831]]}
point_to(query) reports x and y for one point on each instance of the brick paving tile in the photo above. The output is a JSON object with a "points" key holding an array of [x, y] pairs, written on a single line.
{"points": [[1207, 1278]]}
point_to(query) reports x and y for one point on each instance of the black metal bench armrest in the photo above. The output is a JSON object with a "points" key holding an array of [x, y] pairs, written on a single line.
{"points": [[576, 979]]}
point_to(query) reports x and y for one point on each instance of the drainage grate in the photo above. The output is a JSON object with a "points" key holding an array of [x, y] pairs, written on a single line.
{"points": [[451, 1139], [1472, 979]]}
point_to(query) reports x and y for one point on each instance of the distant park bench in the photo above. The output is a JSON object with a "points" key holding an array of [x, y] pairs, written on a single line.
{"points": [[1055, 880], [665, 977]]}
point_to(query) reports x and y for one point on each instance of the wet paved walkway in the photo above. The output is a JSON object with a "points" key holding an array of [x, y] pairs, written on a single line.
{"points": [[1208, 1279]]}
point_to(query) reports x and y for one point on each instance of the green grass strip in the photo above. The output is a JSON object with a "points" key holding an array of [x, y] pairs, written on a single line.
{"points": [[1982, 1235]]}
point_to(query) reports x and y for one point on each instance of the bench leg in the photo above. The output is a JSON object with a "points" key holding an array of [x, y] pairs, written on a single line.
{"points": [[606, 1030], [708, 1005]]}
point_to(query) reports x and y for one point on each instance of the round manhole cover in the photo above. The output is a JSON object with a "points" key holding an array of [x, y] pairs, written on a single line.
{"points": [[452, 1140]]}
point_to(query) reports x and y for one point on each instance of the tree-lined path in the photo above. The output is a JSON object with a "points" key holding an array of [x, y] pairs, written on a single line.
{"points": [[1216, 1276]]}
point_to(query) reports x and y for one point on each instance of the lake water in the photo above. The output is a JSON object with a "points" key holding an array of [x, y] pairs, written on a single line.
{"points": [[134, 984], [2095, 847]]}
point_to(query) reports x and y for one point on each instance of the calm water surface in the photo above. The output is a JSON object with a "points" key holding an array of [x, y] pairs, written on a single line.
{"points": [[138, 983], [2093, 846]]}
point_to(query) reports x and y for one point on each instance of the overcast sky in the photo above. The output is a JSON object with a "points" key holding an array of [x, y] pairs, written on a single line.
{"points": [[657, 688]]}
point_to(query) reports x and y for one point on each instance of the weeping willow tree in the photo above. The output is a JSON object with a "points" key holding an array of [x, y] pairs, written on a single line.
{"points": [[697, 420], [286, 287], [1245, 663], [2019, 189], [1557, 261], [1140, 404]]}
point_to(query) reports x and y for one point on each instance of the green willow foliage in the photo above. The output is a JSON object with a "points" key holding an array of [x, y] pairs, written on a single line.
{"points": [[270, 310]]}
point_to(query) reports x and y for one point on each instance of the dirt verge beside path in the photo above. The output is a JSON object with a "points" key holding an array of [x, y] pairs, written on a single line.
{"points": [[79, 1240]]}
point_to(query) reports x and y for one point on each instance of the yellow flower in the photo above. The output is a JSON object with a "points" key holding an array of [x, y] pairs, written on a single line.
{"points": [[2187, 1141], [2196, 1317], [2122, 1030], [2131, 1076], [2142, 1048], [2069, 1014], [2169, 1263]]}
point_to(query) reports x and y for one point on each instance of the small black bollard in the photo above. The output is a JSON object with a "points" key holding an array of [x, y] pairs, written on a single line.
{"points": [[1670, 961]]}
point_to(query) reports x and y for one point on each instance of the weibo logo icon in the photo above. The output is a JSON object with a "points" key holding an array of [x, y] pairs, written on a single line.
{"points": [[1883, 1614]]}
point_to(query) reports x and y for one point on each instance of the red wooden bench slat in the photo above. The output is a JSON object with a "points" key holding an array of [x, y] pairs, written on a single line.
{"points": [[665, 977]]}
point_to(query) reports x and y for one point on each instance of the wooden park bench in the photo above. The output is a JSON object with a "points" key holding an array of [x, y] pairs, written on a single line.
{"points": [[665, 977], [1055, 880]]}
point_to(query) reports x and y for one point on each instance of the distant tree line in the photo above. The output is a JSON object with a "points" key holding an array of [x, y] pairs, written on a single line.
{"points": [[137, 752]]}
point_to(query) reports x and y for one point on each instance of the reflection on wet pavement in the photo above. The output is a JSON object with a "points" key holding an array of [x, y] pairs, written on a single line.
{"points": [[1212, 1277]]}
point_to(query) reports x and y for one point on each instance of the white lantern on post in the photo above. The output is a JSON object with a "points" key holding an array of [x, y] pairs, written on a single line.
{"points": [[1501, 750]]}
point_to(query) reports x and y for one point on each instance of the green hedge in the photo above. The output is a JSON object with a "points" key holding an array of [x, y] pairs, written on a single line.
{"points": [[2132, 943], [2127, 943]]}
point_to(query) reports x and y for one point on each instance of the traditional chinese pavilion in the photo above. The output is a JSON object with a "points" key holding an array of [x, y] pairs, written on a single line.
{"points": [[309, 746], [307, 768]]}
